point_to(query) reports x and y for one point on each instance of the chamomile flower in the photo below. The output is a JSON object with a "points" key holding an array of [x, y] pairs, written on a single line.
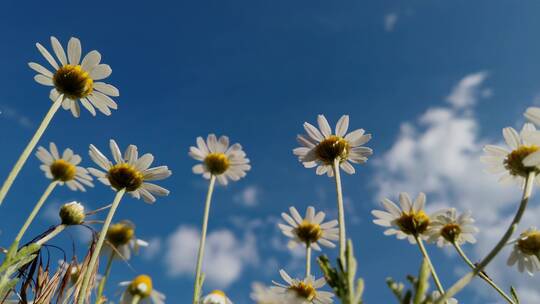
{"points": [[219, 159], [122, 241], [447, 227], [130, 172], [321, 147], [64, 167], [408, 222], [533, 114], [509, 163], [526, 251], [72, 213], [75, 80], [216, 297], [306, 289], [265, 295], [141, 287], [310, 230]]}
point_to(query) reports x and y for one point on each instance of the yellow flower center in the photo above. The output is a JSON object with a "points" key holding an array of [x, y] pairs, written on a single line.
{"points": [[141, 286], [304, 291], [514, 161], [334, 147], [73, 81], [414, 223], [529, 243], [217, 163], [62, 170], [120, 234], [451, 232], [308, 232], [125, 176], [218, 293]]}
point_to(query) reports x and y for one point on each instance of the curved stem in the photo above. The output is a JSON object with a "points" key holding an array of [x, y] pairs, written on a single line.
{"points": [[341, 212], [35, 211], [428, 260], [481, 274], [200, 254], [103, 281], [93, 260], [308, 260], [29, 148], [51, 235], [461, 283]]}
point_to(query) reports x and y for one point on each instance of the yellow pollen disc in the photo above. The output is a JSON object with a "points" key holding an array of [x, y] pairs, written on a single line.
{"points": [[334, 147], [304, 291], [308, 232], [414, 223], [120, 234], [73, 81], [529, 243], [62, 170], [125, 176], [451, 232], [514, 161], [217, 163], [141, 286], [218, 292]]}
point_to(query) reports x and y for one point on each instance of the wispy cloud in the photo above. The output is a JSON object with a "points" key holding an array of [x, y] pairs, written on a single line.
{"points": [[12, 114], [390, 21], [469, 90], [249, 197]]}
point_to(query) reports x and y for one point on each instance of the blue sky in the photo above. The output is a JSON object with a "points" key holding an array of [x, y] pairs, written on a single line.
{"points": [[256, 70]]}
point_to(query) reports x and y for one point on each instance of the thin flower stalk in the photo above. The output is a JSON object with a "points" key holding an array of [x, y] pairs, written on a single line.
{"points": [[103, 280], [430, 264], [56, 231], [99, 245], [136, 299], [35, 211], [29, 148], [341, 211], [308, 260], [200, 254], [481, 274], [466, 279]]}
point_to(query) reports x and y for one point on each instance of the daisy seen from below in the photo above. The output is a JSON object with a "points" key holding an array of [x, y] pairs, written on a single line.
{"points": [[508, 162], [526, 251], [141, 290], [64, 167], [129, 173], [216, 297], [75, 80], [219, 160], [307, 290], [447, 228]]}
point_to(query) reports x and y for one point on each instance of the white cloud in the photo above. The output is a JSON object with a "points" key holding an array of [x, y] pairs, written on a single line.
{"points": [[153, 249], [467, 92], [225, 258], [439, 154], [249, 197], [12, 114], [390, 21]]}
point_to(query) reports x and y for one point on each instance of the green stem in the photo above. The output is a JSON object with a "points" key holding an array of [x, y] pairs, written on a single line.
{"points": [[93, 260], [52, 234], [461, 283], [29, 148], [308, 260], [481, 274], [431, 267], [35, 211], [200, 254], [341, 212], [136, 299], [103, 281]]}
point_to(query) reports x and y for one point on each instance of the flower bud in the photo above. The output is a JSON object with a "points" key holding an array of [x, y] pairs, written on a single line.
{"points": [[72, 214]]}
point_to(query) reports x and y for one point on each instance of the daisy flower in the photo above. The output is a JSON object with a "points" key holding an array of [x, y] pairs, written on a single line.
{"points": [[130, 172], [306, 289], [122, 241], [219, 159], [320, 148], [141, 287], [409, 221], [447, 228], [216, 297], [64, 168], [509, 163], [526, 251], [533, 114], [264, 295], [75, 80], [309, 231]]}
